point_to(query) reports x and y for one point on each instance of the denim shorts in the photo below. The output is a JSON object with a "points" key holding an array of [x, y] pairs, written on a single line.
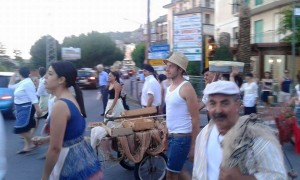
{"points": [[178, 150]]}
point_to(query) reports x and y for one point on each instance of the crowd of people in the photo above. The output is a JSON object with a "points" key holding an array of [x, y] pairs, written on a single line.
{"points": [[229, 147]]}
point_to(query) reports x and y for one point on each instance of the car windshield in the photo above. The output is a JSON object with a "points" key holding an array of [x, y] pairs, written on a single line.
{"points": [[84, 73], [4, 80]]}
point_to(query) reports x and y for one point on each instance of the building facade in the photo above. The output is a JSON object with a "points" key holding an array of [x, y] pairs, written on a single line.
{"points": [[268, 53], [181, 7]]}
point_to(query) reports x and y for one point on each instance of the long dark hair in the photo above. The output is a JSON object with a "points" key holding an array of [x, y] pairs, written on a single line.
{"points": [[116, 74], [67, 70]]}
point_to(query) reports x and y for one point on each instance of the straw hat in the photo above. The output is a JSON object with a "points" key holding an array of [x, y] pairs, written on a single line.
{"points": [[179, 59]]}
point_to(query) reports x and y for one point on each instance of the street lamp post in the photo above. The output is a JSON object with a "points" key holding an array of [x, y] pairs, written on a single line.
{"points": [[148, 33], [294, 35]]}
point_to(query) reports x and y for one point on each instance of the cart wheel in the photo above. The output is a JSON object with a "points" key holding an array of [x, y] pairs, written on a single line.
{"points": [[151, 168], [127, 164]]}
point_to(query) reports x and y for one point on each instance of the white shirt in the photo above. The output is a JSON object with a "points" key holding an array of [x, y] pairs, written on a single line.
{"points": [[178, 117], [2, 149], [51, 102], [151, 86], [24, 92], [297, 88], [214, 154], [250, 93], [41, 91]]}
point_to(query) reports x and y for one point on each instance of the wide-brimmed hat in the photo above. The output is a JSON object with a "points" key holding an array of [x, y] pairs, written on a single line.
{"points": [[179, 59]]}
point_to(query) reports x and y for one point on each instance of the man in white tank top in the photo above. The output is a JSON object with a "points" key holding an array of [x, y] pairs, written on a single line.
{"points": [[181, 116]]}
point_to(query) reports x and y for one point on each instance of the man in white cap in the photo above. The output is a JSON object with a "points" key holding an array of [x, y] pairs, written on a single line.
{"points": [[182, 117], [232, 147]]}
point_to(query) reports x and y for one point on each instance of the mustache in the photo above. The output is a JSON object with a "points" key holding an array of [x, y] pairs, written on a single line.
{"points": [[219, 115]]}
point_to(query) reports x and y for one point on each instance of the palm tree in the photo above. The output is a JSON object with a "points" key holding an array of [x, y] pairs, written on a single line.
{"points": [[244, 46]]}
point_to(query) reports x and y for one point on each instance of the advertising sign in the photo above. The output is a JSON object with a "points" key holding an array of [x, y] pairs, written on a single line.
{"points": [[70, 53], [188, 35], [159, 51], [156, 62]]}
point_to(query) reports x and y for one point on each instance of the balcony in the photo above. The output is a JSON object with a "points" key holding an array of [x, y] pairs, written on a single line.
{"points": [[265, 6], [268, 5], [265, 37]]}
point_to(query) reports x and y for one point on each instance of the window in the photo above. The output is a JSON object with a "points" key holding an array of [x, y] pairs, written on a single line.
{"points": [[207, 3], [235, 6], [258, 2], [235, 33], [194, 3], [258, 30], [207, 19]]}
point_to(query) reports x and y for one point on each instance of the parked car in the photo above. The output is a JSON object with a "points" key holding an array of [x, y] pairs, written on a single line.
{"points": [[131, 72], [6, 94], [124, 74], [140, 75], [87, 78]]}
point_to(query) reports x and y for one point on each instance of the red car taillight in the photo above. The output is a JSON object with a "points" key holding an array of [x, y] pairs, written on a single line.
{"points": [[92, 78]]}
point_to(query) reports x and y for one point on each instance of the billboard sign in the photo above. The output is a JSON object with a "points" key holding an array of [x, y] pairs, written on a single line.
{"points": [[187, 36], [159, 51], [70, 53]]}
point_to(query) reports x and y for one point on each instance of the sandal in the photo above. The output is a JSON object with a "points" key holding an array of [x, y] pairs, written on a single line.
{"points": [[23, 151]]}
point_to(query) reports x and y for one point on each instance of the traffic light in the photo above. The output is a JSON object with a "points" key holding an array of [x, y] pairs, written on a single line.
{"points": [[210, 49]]}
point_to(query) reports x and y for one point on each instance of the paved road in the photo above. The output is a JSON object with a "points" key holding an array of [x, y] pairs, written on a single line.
{"points": [[30, 167]]}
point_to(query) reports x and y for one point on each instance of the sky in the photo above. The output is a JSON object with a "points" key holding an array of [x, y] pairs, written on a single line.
{"points": [[23, 22]]}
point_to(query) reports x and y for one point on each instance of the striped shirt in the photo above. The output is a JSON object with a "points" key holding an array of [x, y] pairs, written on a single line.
{"points": [[265, 160]]}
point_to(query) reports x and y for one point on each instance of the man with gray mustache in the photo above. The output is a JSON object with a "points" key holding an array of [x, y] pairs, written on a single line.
{"points": [[231, 147]]}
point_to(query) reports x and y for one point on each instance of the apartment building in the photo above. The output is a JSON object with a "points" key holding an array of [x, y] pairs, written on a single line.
{"points": [[159, 30], [182, 7], [268, 53]]}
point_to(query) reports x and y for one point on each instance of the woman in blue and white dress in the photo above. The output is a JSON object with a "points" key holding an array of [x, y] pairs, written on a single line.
{"points": [[26, 104], [69, 156]]}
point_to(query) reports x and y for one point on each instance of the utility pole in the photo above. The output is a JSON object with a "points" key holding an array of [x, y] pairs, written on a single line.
{"points": [[51, 50], [294, 35], [148, 33]]}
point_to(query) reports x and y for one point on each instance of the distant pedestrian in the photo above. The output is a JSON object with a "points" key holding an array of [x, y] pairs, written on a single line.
{"points": [[267, 86], [26, 104], [285, 87], [164, 83], [250, 96], [114, 106], [42, 93], [182, 117], [103, 82], [209, 77], [151, 92], [69, 156]]}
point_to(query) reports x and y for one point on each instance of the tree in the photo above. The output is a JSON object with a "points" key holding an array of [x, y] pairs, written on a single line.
{"points": [[138, 55], [96, 48], [18, 57], [286, 26], [244, 47], [38, 53], [223, 53]]}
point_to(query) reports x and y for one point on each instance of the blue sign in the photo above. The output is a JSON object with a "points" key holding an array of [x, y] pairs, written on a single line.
{"points": [[158, 55], [160, 48]]}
